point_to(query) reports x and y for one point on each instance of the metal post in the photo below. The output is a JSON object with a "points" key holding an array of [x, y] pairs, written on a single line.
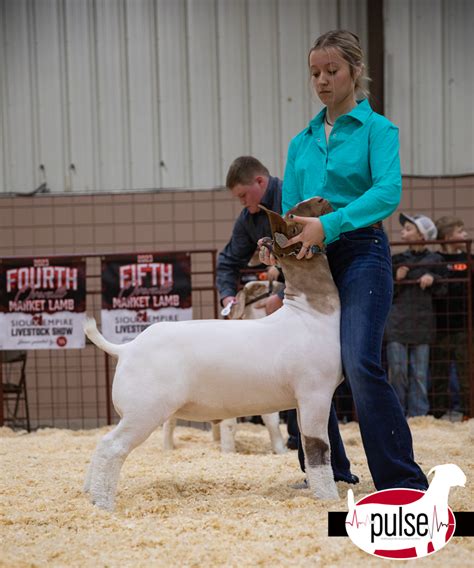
{"points": [[470, 338], [1, 388], [108, 398]]}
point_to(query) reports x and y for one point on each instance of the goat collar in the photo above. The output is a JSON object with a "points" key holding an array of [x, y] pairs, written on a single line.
{"points": [[268, 243], [315, 249], [262, 296], [282, 239]]}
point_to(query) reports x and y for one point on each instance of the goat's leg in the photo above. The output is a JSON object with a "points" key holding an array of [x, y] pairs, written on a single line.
{"points": [[216, 430], [314, 417], [228, 428], [298, 420], [110, 454], [272, 422], [168, 430], [89, 474]]}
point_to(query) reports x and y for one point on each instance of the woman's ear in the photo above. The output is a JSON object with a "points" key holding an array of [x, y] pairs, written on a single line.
{"points": [[357, 73]]}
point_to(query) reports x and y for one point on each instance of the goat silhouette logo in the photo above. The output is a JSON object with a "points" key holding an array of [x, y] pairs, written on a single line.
{"points": [[405, 523]]}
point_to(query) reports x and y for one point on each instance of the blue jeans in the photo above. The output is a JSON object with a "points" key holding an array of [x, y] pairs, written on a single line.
{"points": [[408, 373], [361, 266]]}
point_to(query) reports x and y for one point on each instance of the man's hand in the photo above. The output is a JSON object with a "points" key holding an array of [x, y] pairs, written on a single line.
{"points": [[401, 273], [271, 304], [227, 300], [273, 274], [426, 281], [312, 234], [274, 303]]}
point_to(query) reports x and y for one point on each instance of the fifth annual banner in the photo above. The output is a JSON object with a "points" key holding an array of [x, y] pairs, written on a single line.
{"points": [[139, 290]]}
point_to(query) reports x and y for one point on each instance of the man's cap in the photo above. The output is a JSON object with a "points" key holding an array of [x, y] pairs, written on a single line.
{"points": [[423, 223]]}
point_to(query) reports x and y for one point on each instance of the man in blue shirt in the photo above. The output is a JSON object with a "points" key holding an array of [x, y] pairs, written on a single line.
{"points": [[250, 182]]}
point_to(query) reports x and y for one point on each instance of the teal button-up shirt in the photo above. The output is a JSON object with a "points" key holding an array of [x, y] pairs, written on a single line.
{"points": [[357, 170]]}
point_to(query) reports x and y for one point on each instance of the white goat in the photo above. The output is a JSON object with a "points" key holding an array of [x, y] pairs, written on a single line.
{"points": [[214, 369], [433, 504], [250, 304]]}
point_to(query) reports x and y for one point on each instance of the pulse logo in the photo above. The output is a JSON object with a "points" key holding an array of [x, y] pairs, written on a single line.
{"points": [[405, 523]]}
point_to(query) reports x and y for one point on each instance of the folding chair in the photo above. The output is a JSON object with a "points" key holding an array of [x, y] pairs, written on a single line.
{"points": [[14, 388]]}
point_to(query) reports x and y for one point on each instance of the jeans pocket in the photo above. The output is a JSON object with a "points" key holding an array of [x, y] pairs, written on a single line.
{"points": [[364, 237]]}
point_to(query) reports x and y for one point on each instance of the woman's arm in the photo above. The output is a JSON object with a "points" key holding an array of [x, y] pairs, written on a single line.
{"points": [[383, 197]]}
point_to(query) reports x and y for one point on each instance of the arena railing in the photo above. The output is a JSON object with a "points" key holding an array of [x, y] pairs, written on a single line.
{"points": [[72, 388]]}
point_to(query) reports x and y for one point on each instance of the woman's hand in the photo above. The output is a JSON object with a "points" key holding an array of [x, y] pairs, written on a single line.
{"points": [[264, 255], [312, 234]]}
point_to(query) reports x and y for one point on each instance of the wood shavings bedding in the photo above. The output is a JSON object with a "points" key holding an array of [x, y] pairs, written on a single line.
{"points": [[195, 506]]}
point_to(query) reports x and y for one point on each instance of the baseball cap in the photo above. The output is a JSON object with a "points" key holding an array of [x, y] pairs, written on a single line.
{"points": [[423, 223]]}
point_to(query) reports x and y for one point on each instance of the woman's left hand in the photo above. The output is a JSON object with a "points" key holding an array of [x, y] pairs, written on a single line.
{"points": [[264, 254], [312, 234]]}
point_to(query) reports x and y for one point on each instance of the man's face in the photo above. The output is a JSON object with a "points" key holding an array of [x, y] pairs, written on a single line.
{"points": [[251, 195]]}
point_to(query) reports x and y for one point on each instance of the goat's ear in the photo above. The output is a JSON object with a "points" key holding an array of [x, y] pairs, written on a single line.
{"points": [[277, 223], [287, 229], [237, 310]]}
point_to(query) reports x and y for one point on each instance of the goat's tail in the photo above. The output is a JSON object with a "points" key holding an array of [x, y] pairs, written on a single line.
{"points": [[90, 329]]}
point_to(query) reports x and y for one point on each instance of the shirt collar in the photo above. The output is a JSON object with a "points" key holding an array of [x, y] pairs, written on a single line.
{"points": [[361, 112], [267, 199]]}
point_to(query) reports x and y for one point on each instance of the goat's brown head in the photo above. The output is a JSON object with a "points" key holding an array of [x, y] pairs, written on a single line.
{"points": [[284, 229]]}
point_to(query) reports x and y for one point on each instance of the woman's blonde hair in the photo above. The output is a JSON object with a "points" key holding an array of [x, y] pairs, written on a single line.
{"points": [[349, 47]]}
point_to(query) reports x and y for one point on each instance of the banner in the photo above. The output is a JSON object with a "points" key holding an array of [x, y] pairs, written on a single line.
{"points": [[42, 303], [139, 290]]}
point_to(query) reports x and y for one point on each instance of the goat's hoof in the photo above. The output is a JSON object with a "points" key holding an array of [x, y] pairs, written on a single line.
{"points": [[327, 495], [104, 505]]}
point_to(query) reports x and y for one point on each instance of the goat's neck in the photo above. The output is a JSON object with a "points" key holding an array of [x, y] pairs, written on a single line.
{"points": [[440, 489], [310, 283]]}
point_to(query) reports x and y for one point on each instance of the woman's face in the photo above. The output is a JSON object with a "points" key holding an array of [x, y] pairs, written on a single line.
{"points": [[331, 76]]}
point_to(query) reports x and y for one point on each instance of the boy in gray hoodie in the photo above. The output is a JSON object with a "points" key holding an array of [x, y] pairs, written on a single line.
{"points": [[411, 325]]}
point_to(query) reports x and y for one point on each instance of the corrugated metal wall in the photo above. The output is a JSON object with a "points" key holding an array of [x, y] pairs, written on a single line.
{"points": [[429, 83], [114, 94]]}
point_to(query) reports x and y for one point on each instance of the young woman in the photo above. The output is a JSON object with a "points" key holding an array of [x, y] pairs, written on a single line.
{"points": [[349, 155]]}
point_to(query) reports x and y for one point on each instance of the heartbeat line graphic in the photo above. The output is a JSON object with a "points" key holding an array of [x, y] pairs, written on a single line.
{"points": [[356, 520], [434, 522]]}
